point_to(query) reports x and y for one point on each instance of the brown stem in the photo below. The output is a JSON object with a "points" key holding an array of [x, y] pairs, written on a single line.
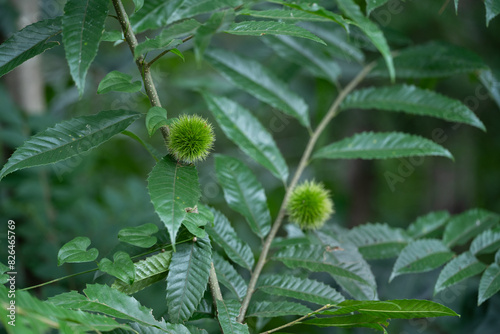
{"points": [[297, 320], [332, 112]]}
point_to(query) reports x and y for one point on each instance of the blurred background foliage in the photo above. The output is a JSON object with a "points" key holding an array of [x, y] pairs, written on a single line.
{"points": [[97, 194]]}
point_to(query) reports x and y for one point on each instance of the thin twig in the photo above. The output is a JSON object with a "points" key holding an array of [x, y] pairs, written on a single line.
{"points": [[149, 63], [297, 320], [332, 112]]}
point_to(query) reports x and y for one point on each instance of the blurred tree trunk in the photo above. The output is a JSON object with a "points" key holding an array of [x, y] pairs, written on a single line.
{"points": [[25, 83]]}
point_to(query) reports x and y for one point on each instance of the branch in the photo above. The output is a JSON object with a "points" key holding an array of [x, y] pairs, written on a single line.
{"points": [[150, 87], [297, 320], [167, 51], [332, 112]]}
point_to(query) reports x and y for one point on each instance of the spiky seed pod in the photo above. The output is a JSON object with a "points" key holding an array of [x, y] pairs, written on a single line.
{"points": [[310, 205], [191, 138]]}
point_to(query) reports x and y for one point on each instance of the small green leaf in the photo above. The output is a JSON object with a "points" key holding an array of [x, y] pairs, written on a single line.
{"points": [[465, 226], [224, 235], [4, 278], [244, 193], [196, 218], [428, 225], [491, 81], [432, 60], [381, 145], [155, 119], [261, 28], [227, 311], [174, 189], [260, 82], [421, 256], [188, 278], [147, 272], [372, 31], [300, 288], [292, 15], [122, 267], [155, 44], [153, 151], [458, 269], [241, 127], [229, 277], [75, 251], [318, 11], [378, 241], [138, 4], [265, 309], [118, 82], [489, 284], [139, 236], [492, 10], [82, 28], [412, 100], [68, 139], [486, 242], [112, 36], [28, 43], [305, 53]]}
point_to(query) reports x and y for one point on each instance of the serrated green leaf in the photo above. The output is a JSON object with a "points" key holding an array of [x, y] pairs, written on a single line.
{"points": [[292, 15], [312, 56], [458, 269], [378, 241], [33, 310], [421, 256], [300, 288], [244, 193], [173, 188], [155, 119], [374, 4], [28, 43], [139, 236], [103, 299], [427, 226], [486, 242], [260, 82], [372, 31], [412, 100], [116, 81], [68, 139], [225, 236], [465, 226], [265, 309], [241, 127], [188, 278], [155, 44], [489, 284], [432, 60], [227, 311], [349, 321], [147, 272], [492, 10], [112, 36], [381, 145], [497, 257], [229, 277], [341, 263], [75, 251], [261, 28], [82, 28], [159, 13], [122, 267]]}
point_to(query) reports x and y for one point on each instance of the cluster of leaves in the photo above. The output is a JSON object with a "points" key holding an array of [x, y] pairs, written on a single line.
{"points": [[196, 236]]}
